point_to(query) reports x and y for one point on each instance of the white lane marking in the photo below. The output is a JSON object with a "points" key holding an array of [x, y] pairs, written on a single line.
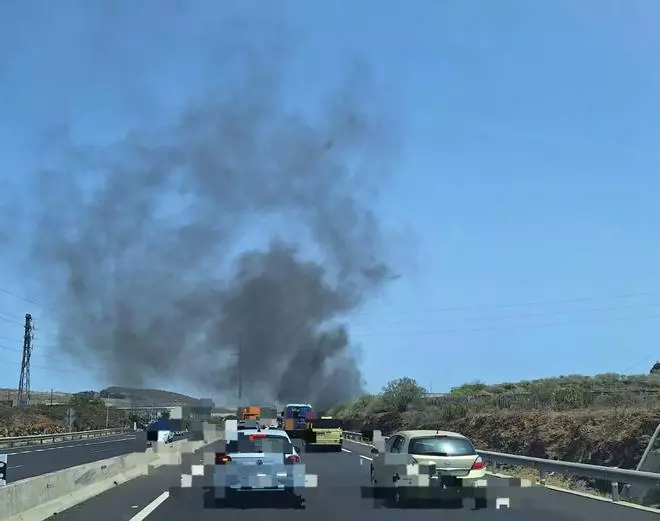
{"points": [[359, 443], [346, 450], [97, 451], [60, 447], [16, 467], [149, 509], [365, 457]]}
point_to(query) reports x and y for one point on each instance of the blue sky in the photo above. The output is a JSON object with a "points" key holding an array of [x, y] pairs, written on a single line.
{"points": [[524, 201]]}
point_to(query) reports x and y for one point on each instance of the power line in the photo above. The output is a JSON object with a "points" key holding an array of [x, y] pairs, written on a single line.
{"points": [[50, 358], [500, 327], [464, 330], [28, 300], [509, 327], [473, 307], [487, 317], [534, 303], [539, 315]]}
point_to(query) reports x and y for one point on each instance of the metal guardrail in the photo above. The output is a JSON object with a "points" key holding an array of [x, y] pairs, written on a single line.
{"points": [[614, 475], [59, 436]]}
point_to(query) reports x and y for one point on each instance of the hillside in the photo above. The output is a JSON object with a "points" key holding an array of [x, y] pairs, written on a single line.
{"points": [[47, 412], [608, 383], [146, 397], [10, 396], [138, 397]]}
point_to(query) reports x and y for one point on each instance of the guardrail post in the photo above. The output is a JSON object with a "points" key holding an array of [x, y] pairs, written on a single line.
{"points": [[615, 492], [543, 476]]}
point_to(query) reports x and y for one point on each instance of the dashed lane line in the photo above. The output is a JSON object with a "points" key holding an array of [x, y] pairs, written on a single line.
{"points": [[149, 509]]}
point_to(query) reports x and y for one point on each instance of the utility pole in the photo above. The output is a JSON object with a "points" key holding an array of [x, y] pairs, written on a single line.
{"points": [[24, 381], [107, 416], [240, 369], [51, 397]]}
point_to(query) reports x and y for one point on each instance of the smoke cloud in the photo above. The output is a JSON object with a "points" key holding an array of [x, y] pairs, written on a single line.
{"points": [[231, 244]]}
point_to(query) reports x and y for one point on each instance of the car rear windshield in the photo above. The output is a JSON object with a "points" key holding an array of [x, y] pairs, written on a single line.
{"points": [[326, 423], [261, 443], [441, 446]]}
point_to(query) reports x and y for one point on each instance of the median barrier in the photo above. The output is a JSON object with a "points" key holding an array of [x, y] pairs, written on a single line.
{"points": [[40, 497]]}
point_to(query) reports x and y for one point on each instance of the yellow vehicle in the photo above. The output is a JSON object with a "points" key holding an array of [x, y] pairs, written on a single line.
{"points": [[327, 432]]}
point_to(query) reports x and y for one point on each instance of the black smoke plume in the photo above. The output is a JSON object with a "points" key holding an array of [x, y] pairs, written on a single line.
{"points": [[150, 236]]}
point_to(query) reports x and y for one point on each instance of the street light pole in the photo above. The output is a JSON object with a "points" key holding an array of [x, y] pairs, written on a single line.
{"points": [[240, 369]]}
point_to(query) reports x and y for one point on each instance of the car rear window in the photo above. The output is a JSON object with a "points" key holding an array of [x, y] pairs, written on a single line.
{"points": [[327, 423], [259, 443], [441, 446]]}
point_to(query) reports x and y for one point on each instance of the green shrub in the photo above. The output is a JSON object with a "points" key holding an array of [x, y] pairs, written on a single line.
{"points": [[564, 393]]}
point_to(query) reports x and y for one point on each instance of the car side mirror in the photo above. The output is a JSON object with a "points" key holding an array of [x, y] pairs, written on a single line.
{"points": [[374, 451]]}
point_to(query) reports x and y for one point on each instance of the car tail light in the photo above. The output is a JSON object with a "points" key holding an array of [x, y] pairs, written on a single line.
{"points": [[293, 459], [478, 464], [221, 458], [257, 436]]}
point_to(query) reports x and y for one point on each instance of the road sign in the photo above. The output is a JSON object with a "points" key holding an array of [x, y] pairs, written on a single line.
{"points": [[3, 469]]}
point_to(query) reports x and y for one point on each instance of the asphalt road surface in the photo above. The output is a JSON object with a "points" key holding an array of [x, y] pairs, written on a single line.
{"points": [[33, 460], [342, 477]]}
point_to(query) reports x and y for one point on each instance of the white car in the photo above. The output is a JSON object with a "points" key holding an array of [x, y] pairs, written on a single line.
{"points": [[429, 464], [259, 461]]}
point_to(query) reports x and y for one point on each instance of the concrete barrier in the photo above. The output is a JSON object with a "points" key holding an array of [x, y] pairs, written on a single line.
{"points": [[40, 497]]}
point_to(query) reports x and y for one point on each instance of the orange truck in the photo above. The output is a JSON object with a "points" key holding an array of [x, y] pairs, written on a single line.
{"points": [[251, 412]]}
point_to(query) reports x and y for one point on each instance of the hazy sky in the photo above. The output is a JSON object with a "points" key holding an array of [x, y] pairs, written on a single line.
{"points": [[523, 204]]}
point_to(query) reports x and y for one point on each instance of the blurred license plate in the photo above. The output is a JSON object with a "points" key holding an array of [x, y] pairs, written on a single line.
{"points": [[449, 480]]}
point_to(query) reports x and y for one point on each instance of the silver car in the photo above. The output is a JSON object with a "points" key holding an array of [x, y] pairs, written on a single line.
{"points": [[257, 463]]}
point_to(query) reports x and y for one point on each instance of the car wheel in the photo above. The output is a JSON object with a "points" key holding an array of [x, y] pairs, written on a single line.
{"points": [[372, 475]]}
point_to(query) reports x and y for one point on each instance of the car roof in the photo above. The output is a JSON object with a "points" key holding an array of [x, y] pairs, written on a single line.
{"points": [[269, 432], [424, 433]]}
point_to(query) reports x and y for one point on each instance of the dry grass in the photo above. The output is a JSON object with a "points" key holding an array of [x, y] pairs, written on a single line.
{"points": [[562, 481]]}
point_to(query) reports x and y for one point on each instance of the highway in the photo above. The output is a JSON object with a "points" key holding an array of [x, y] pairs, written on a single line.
{"points": [[33, 460], [341, 480]]}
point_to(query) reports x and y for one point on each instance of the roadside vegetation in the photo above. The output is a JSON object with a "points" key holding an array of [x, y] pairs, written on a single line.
{"points": [[89, 413], [564, 393], [602, 420]]}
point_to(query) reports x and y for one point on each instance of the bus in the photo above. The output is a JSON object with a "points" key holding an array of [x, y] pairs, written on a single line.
{"points": [[296, 415]]}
